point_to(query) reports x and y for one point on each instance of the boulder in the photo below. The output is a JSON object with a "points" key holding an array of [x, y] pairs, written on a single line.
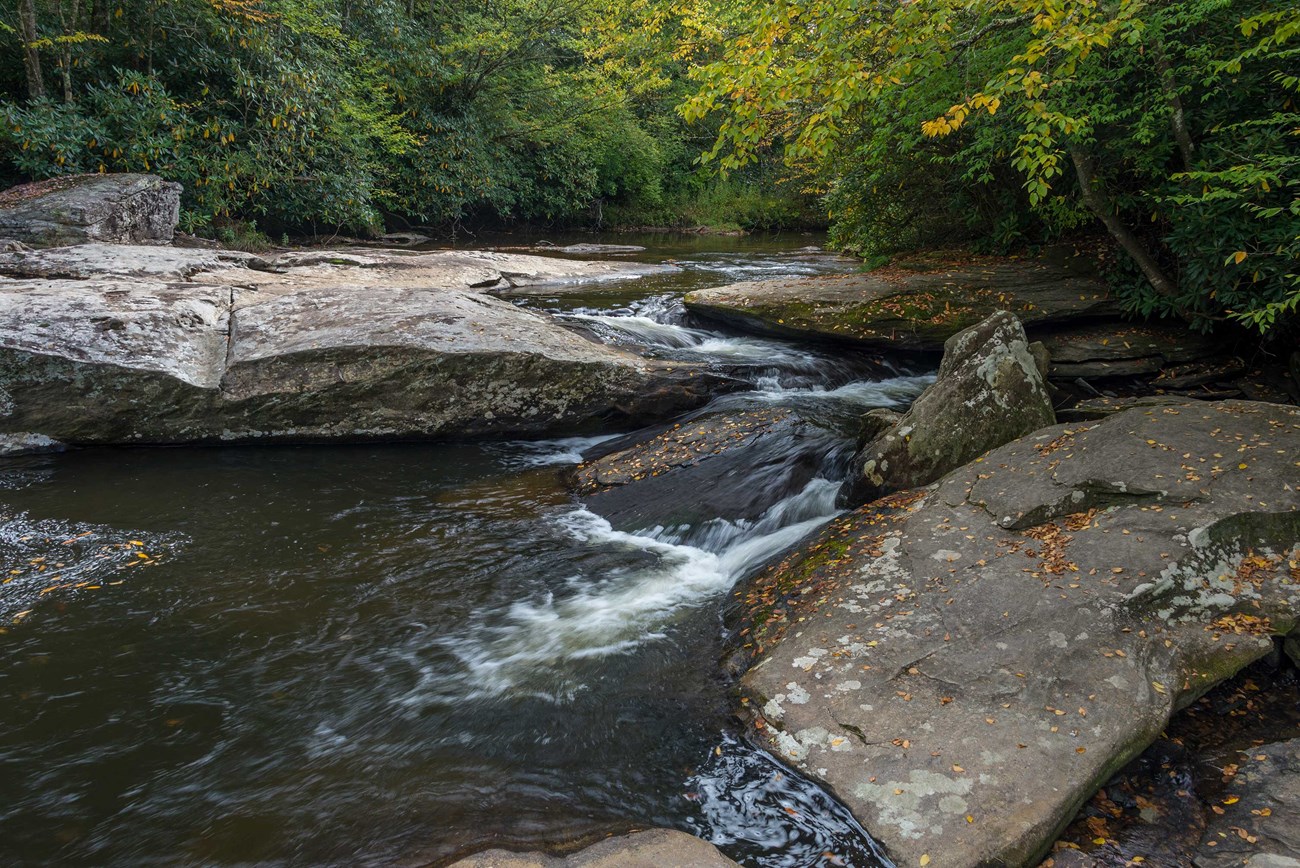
{"points": [[965, 664], [989, 391], [73, 209], [1259, 823], [657, 848], [908, 310], [199, 345]]}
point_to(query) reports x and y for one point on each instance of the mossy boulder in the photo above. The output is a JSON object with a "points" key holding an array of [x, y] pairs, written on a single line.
{"points": [[989, 391]]}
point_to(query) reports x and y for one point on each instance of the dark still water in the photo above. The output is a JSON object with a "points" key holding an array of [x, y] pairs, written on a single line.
{"points": [[399, 654]]}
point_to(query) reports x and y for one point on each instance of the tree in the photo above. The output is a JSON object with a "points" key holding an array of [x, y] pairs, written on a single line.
{"points": [[1114, 109]]}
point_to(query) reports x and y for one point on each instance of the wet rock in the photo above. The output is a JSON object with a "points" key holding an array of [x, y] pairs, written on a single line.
{"points": [[1157, 808], [735, 464], [1260, 820], [1199, 373], [989, 391], [1099, 350], [965, 664], [909, 310], [197, 345], [657, 848], [127, 208]]}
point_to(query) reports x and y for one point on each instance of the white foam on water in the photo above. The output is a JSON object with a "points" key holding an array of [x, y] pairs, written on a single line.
{"points": [[648, 330], [548, 453], [896, 391], [528, 649]]}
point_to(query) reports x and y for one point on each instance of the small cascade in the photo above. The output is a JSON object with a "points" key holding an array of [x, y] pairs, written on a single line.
{"points": [[528, 646]]}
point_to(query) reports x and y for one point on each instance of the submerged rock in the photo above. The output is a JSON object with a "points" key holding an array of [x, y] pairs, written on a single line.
{"points": [[657, 848], [197, 345], [989, 391], [908, 310], [965, 664], [127, 208]]}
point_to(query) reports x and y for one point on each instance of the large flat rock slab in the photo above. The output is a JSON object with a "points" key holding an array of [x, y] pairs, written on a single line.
{"points": [[908, 310], [386, 362], [965, 664], [298, 270], [130, 344]]}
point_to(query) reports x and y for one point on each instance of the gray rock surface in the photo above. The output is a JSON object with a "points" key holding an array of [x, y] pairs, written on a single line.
{"points": [[657, 848], [965, 664], [989, 391], [127, 208], [1260, 823], [120, 344], [910, 310]]}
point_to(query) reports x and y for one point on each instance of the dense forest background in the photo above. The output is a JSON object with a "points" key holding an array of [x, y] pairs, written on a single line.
{"points": [[1171, 131]]}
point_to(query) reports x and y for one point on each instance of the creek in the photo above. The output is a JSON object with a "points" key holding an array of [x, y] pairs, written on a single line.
{"points": [[404, 653]]}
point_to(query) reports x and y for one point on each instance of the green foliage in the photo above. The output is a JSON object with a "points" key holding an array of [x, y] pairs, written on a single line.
{"points": [[326, 114], [1172, 126]]}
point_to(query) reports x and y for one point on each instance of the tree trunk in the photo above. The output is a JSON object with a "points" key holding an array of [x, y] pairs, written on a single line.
{"points": [[1178, 117], [68, 22], [31, 57], [1097, 201]]}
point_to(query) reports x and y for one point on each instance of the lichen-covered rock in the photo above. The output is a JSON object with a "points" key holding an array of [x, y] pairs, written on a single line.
{"points": [[196, 345], [965, 664], [989, 391], [657, 848], [126, 208], [908, 310]]}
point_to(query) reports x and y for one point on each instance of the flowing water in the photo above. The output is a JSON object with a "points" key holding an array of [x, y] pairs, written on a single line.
{"points": [[398, 654]]}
